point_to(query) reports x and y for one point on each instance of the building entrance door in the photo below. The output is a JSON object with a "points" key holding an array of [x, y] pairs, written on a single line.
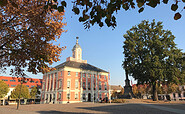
{"points": [[89, 97], [50, 98]]}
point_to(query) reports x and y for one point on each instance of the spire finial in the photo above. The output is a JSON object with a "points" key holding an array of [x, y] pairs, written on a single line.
{"points": [[77, 39]]}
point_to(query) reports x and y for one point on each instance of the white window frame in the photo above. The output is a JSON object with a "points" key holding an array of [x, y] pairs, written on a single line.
{"points": [[100, 96], [84, 75], [69, 73], [83, 85], [60, 96], [68, 95], [60, 83], [76, 84], [69, 86], [76, 74], [76, 95]]}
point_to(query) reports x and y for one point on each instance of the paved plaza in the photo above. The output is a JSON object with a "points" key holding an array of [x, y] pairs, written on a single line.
{"points": [[88, 107]]}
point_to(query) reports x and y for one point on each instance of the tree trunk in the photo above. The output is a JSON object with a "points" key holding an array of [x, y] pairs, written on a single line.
{"points": [[19, 96], [155, 96]]}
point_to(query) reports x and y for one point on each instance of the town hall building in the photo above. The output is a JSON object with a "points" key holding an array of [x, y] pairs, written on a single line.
{"points": [[75, 81]]}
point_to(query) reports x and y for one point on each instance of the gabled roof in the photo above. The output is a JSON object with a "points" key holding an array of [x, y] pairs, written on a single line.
{"points": [[115, 87], [84, 66]]}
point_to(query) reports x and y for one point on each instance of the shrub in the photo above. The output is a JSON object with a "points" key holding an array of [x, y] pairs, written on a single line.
{"points": [[118, 101]]}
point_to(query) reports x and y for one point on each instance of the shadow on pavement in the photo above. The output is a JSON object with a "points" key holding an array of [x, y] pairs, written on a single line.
{"points": [[114, 109], [127, 109], [54, 112]]}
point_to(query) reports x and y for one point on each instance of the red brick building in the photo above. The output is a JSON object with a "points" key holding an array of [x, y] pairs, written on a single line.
{"points": [[75, 81], [14, 81]]}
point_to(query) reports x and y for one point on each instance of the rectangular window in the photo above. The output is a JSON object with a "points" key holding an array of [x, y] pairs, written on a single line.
{"points": [[68, 84], [100, 96], [105, 77], [69, 73], [46, 96], [12, 81], [89, 76], [174, 95], [4, 80], [60, 83], [99, 76], [179, 94], [42, 96], [84, 75], [27, 85], [94, 76], [76, 84], [76, 95], [99, 85], [32, 86], [36, 81], [59, 97], [89, 85], [13, 85], [68, 95], [84, 85], [83, 96], [105, 86], [31, 81], [76, 74]]}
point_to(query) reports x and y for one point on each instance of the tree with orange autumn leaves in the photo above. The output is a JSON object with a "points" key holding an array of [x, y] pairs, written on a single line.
{"points": [[27, 33]]}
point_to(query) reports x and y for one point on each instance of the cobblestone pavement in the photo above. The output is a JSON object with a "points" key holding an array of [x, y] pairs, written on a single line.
{"points": [[130, 107]]}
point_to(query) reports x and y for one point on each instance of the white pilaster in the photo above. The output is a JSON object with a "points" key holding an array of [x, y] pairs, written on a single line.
{"points": [[50, 82], [46, 83], [81, 89], [56, 89], [53, 81], [86, 81]]}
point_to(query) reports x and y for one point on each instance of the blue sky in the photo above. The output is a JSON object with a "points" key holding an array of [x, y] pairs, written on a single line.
{"points": [[102, 47]]}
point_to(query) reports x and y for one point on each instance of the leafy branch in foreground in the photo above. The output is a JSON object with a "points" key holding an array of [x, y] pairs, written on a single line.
{"points": [[27, 31]]}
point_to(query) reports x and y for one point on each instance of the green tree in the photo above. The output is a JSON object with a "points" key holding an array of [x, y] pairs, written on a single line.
{"points": [[122, 91], [135, 90], [3, 89], [104, 11], [172, 88], [34, 91], [151, 56], [114, 94], [22, 91]]}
